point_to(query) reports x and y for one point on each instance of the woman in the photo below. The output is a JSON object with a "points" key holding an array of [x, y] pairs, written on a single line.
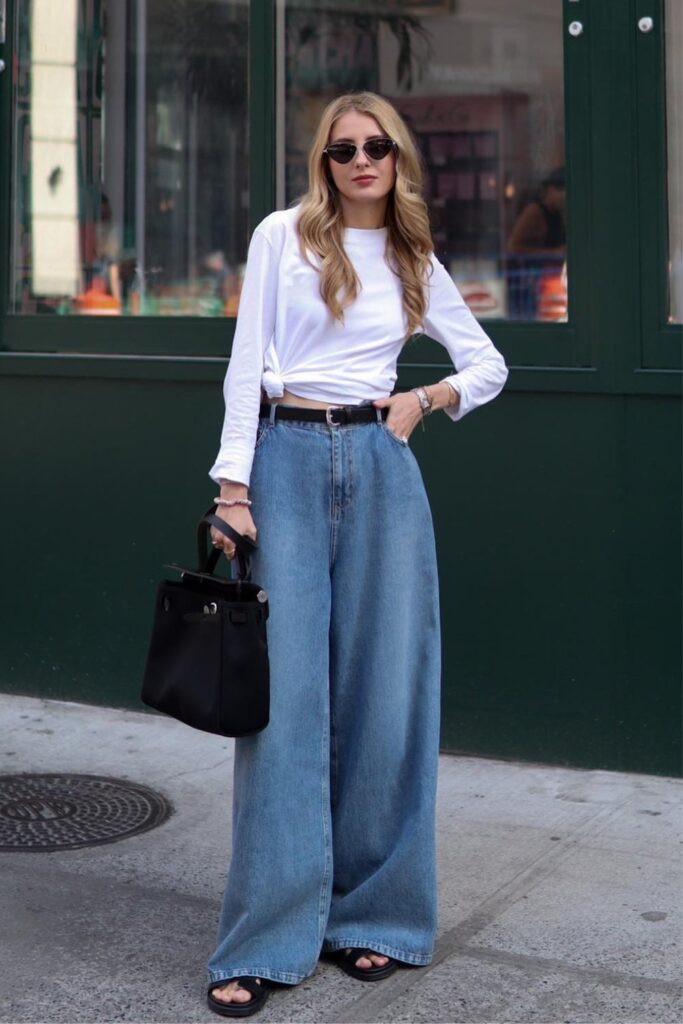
{"points": [[537, 247], [333, 817]]}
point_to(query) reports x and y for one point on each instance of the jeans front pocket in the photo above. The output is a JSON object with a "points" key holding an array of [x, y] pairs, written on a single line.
{"points": [[394, 437]]}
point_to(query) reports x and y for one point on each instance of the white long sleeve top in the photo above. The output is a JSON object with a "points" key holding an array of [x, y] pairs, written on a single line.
{"points": [[286, 337]]}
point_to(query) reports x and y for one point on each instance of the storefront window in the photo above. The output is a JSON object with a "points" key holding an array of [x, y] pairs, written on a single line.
{"points": [[130, 177], [481, 87], [674, 95]]}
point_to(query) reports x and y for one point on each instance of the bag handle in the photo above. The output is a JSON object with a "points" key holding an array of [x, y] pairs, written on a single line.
{"points": [[208, 559]]}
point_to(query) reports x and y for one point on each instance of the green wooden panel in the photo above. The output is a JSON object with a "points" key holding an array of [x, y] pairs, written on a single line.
{"points": [[661, 343], [557, 520], [426, 363], [613, 262], [148, 335], [261, 109], [578, 86], [5, 122]]}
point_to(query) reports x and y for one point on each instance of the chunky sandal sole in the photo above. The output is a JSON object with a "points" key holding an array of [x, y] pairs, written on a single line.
{"points": [[347, 962], [259, 995]]}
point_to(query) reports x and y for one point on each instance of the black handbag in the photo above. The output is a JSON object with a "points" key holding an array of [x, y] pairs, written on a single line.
{"points": [[207, 663]]}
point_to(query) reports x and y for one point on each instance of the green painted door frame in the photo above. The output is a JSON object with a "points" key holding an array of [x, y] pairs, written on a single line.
{"points": [[561, 598]]}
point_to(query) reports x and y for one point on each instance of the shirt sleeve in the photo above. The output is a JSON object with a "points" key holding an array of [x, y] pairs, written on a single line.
{"points": [[481, 370], [242, 387]]}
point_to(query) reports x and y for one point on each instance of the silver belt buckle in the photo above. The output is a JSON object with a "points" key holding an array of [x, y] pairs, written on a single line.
{"points": [[328, 415]]}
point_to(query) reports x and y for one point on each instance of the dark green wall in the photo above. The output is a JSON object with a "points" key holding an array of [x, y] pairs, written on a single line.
{"points": [[558, 526]]}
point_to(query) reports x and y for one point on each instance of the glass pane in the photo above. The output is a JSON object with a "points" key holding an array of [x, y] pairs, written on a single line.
{"points": [[674, 96], [129, 191], [480, 83]]}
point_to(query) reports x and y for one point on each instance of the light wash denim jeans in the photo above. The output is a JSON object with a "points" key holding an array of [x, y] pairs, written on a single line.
{"points": [[333, 814]]}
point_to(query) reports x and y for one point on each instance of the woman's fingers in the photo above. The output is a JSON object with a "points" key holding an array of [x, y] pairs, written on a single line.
{"points": [[400, 427], [240, 520], [404, 413], [221, 542]]}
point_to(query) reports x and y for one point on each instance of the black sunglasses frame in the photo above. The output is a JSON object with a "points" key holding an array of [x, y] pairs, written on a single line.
{"points": [[354, 149]]}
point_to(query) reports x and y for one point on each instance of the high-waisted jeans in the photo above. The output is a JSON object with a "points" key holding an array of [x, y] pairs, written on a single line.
{"points": [[333, 811]]}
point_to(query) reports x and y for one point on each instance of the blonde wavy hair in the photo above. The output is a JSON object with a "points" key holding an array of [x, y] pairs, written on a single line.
{"points": [[321, 227]]}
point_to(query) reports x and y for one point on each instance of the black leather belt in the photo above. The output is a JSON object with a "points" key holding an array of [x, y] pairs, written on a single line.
{"points": [[334, 416]]}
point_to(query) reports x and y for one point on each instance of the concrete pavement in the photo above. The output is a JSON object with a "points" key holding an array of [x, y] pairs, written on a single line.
{"points": [[559, 892]]}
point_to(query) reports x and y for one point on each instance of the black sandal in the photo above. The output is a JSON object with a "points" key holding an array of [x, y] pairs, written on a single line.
{"points": [[346, 959], [259, 994]]}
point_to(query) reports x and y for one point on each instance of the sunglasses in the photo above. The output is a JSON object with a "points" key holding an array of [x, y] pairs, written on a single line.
{"points": [[374, 149]]}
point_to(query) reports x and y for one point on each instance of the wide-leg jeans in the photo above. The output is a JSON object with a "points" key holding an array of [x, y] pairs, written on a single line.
{"points": [[333, 811]]}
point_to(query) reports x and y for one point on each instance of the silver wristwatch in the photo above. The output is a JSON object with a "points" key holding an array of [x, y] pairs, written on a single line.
{"points": [[423, 399]]}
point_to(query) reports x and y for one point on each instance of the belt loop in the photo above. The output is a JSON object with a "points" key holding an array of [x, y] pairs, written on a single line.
{"points": [[379, 415], [272, 413]]}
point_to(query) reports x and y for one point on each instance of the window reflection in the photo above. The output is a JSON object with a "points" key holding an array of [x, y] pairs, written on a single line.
{"points": [[130, 187], [480, 84], [537, 251]]}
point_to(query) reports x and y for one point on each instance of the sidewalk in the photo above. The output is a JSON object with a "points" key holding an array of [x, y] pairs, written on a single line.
{"points": [[560, 892]]}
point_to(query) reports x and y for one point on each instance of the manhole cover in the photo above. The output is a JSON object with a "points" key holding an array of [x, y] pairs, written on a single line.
{"points": [[64, 812]]}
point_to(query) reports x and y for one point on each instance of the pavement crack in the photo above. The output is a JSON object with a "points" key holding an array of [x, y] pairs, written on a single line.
{"points": [[196, 771], [603, 975], [370, 1006]]}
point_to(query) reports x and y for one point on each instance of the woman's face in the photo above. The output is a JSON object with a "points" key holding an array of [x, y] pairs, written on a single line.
{"points": [[362, 180]]}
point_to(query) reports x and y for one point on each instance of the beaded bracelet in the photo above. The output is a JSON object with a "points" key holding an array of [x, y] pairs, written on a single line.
{"points": [[229, 502]]}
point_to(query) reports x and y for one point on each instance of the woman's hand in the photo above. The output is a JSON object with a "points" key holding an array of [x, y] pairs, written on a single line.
{"points": [[404, 413], [237, 516]]}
